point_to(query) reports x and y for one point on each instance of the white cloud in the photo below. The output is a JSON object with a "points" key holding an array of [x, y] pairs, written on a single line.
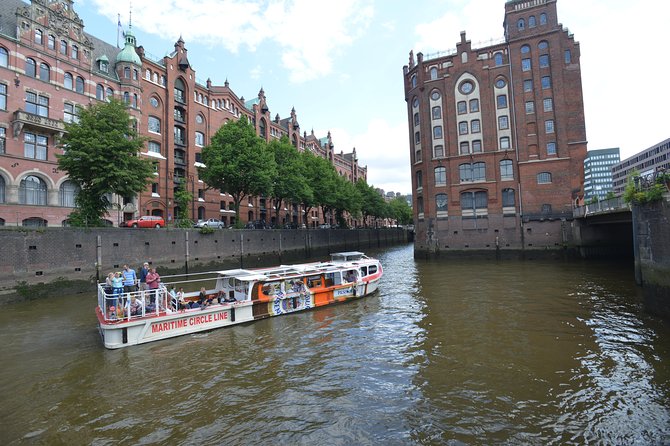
{"points": [[310, 33], [383, 147], [256, 72]]}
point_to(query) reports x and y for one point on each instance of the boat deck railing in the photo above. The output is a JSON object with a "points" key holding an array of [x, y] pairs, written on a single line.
{"points": [[117, 306]]}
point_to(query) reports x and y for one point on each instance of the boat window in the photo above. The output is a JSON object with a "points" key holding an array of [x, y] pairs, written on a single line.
{"points": [[373, 269], [271, 288], [314, 281], [364, 271]]}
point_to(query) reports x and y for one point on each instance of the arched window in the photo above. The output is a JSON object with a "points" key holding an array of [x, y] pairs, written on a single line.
{"points": [[543, 19], [437, 132], [440, 176], [521, 24], [134, 101], [4, 57], [508, 198], [474, 203], [262, 128], [416, 119], [433, 73], [531, 22], [33, 190], [544, 178], [413, 81], [45, 72], [154, 124], [79, 85], [51, 42], [67, 81], [126, 97], [472, 172], [506, 170], [147, 74], [437, 112], [498, 58], [525, 49], [543, 45], [34, 222], [201, 213], [109, 93], [31, 67], [99, 92], [68, 193], [63, 47], [419, 206], [2, 189], [179, 91], [74, 53], [199, 139], [126, 72], [441, 203], [38, 36], [419, 179]]}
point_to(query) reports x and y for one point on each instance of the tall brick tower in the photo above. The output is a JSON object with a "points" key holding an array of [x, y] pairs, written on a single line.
{"points": [[497, 137]]}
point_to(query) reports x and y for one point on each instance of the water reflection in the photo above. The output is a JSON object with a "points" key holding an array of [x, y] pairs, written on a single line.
{"points": [[447, 353]]}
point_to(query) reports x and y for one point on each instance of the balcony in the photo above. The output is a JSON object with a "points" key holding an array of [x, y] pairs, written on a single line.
{"points": [[41, 123]]}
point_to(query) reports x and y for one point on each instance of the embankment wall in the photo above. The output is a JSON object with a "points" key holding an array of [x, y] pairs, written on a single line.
{"points": [[41, 262]]}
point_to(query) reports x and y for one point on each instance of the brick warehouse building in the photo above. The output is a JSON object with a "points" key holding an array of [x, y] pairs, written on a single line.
{"points": [[497, 137], [50, 68]]}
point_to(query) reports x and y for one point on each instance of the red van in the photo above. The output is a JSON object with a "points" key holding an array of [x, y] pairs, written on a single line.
{"points": [[147, 221]]}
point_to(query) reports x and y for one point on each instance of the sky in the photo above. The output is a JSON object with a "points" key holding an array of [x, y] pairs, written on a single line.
{"points": [[339, 63]]}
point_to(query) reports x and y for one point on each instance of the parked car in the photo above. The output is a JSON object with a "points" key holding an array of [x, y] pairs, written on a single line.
{"points": [[146, 221], [210, 223], [324, 226]]}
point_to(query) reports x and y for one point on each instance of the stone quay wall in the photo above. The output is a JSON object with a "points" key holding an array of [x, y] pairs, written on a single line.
{"points": [[41, 262], [651, 240]]}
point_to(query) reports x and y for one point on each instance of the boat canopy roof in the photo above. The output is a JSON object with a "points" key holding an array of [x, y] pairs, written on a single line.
{"points": [[338, 262], [347, 256]]}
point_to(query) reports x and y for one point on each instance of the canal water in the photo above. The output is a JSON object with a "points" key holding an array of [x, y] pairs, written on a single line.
{"points": [[467, 352]]}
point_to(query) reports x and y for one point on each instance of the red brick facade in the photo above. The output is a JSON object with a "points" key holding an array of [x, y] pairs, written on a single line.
{"points": [[497, 137], [72, 69]]}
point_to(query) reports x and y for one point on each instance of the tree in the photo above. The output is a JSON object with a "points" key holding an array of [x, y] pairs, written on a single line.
{"points": [[182, 198], [238, 162], [348, 199], [289, 183], [101, 157], [401, 211], [321, 177], [372, 204]]}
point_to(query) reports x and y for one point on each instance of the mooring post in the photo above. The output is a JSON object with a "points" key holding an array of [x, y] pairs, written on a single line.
{"points": [[187, 252], [98, 257]]}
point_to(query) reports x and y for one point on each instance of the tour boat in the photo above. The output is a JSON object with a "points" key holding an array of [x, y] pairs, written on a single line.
{"points": [[232, 297]]}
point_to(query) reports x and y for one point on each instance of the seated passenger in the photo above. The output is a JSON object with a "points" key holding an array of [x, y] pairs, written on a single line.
{"points": [[135, 306], [203, 299]]}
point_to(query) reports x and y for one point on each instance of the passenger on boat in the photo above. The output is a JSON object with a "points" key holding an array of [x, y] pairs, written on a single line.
{"points": [[143, 276], [351, 276], [153, 282], [117, 287], [129, 279], [203, 299], [135, 306], [181, 302]]}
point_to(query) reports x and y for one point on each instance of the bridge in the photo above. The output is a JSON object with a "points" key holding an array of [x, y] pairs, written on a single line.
{"points": [[605, 229]]}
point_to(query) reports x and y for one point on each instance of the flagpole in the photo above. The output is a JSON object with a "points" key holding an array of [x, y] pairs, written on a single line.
{"points": [[118, 28]]}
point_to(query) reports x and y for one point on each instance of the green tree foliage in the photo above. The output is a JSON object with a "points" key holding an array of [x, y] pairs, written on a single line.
{"points": [[401, 211], [182, 199], [347, 199], [290, 183], [320, 175], [239, 163], [372, 203], [101, 157]]}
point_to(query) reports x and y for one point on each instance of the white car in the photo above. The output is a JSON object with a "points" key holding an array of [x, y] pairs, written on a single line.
{"points": [[210, 223]]}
